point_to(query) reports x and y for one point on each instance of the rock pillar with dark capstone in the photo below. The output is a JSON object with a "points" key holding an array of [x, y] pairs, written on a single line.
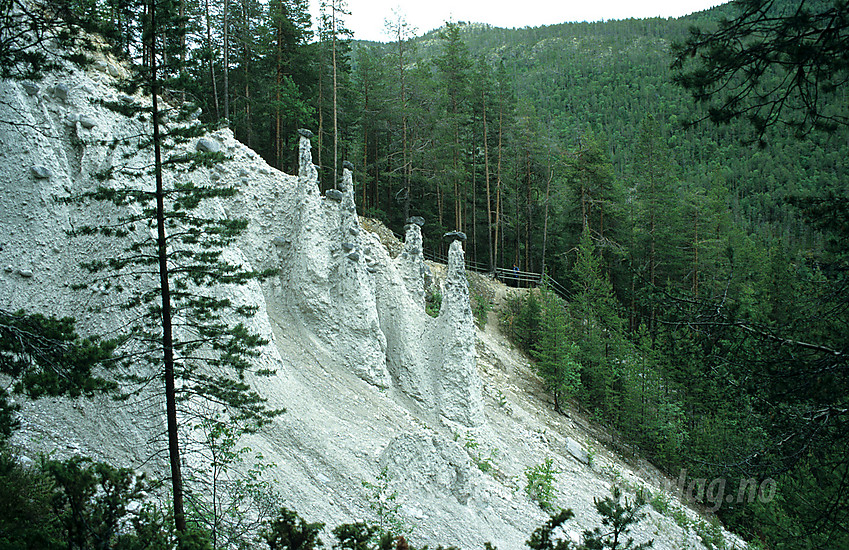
{"points": [[411, 263], [324, 279], [460, 386]]}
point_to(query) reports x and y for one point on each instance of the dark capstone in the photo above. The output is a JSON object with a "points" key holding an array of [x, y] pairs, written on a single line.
{"points": [[61, 91], [334, 194], [347, 164], [87, 122], [455, 236], [206, 145], [354, 256], [41, 172], [303, 132], [30, 88], [347, 247], [418, 220]]}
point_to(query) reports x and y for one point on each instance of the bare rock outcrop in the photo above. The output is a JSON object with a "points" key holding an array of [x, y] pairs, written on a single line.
{"points": [[424, 462]]}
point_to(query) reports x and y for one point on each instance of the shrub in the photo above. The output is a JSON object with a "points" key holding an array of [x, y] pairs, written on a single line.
{"points": [[540, 483]]}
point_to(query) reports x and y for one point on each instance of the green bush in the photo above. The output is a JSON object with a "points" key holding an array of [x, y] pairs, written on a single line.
{"points": [[540, 483], [481, 307], [433, 302], [484, 461]]}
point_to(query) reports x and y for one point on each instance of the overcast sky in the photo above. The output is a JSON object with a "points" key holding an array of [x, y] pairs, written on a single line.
{"points": [[367, 16]]}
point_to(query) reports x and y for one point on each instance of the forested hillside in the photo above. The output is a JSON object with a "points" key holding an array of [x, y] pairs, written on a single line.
{"points": [[704, 314]]}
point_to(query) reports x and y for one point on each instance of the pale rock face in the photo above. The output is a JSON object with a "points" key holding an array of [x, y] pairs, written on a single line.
{"points": [[431, 464], [329, 287], [458, 383], [411, 264]]}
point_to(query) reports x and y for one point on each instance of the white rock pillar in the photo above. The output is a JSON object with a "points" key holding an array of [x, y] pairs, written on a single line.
{"points": [[307, 172], [459, 384], [411, 263], [324, 277]]}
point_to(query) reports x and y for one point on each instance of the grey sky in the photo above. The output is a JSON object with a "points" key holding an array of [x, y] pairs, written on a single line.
{"points": [[367, 16]]}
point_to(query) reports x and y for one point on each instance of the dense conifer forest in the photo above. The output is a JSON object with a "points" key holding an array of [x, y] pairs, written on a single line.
{"points": [[701, 310]]}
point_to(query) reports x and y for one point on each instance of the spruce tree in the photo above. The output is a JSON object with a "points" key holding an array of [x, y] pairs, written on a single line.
{"points": [[555, 354], [597, 327]]}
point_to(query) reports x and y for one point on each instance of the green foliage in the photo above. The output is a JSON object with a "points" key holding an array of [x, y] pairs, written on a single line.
{"points": [[556, 356], [481, 306], [618, 516], [541, 539], [787, 76], [433, 302], [485, 461], [539, 484], [383, 501], [705, 308], [660, 502], [27, 27], [91, 500], [82, 504], [502, 400], [356, 536], [520, 319], [44, 356], [288, 531], [597, 328], [78, 503], [710, 533], [228, 497], [26, 514]]}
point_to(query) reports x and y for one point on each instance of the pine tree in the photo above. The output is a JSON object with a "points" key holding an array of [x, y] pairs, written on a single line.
{"points": [[454, 67], [44, 356], [332, 30], [290, 22], [185, 336], [401, 31]]}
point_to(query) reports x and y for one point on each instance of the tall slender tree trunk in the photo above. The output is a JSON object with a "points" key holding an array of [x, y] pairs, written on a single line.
{"points": [[458, 207], [405, 153], [498, 183], [545, 217], [165, 293], [211, 60], [278, 122], [181, 13], [226, 45], [246, 62], [528, 211], [474, 197], [489, 242], [696, 257], [320, 119], [335, 108], [517, 258], [365, 148]]}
